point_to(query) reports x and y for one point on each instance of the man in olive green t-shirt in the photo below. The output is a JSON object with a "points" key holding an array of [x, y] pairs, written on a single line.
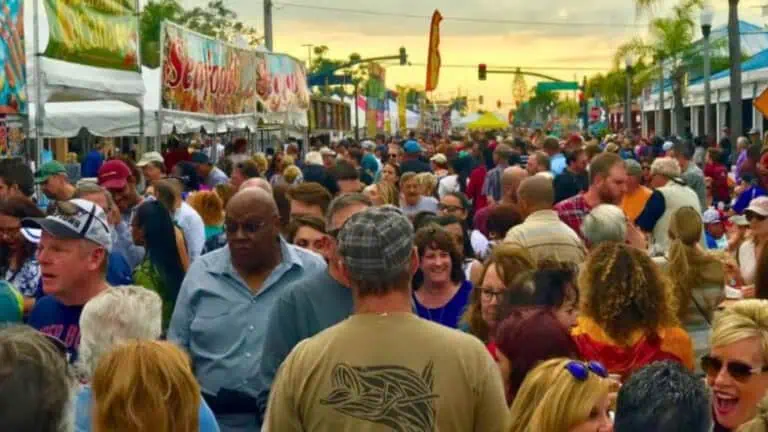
{"points": [[384, 368]]}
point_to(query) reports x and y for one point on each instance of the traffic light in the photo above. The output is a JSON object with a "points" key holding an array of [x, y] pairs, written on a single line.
{"points": [[480, 99], [498, 103], [482, 71], [403, 57]]}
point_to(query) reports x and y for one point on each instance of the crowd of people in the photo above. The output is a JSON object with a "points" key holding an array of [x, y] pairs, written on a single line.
{"points": [[514, 282]]}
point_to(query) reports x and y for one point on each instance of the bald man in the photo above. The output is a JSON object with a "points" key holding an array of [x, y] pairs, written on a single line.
{"points": [[510, 181], [256, 182], [223, 303], [542, 233]]}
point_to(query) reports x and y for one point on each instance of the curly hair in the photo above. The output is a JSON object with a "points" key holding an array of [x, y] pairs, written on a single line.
{"points": [[509, 261], [623, 291], [435, 237], [209, 205]]}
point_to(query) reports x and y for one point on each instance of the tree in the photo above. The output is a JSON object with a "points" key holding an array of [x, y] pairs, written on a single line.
{"points": [[519, 89], [322, 65], [671, 39], [152, 17]]}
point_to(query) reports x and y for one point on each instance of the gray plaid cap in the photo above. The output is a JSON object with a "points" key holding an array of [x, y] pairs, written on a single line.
{"points": [[376, 244]]}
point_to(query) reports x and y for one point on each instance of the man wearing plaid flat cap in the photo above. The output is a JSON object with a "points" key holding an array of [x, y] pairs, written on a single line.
{"points": [[328, 381]]}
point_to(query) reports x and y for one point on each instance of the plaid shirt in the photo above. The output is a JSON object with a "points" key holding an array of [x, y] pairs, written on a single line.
{"points": [[573, 211]]}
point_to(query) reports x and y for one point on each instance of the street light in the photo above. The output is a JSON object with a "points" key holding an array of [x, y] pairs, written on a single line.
{"points": [[628, 106], [707, 14]]}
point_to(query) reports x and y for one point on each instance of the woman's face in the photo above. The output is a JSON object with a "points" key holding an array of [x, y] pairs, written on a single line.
{"points": [[372, 192], [450, 205], [491, 290], [735, 401], [311, 239], [389, 175], [457, 234], [599, 420], [137, 233], [10, 232], [436, 265], [758, 224], [568, 312]]}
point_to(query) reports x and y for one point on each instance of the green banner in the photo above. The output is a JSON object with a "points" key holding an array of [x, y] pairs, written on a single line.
{"points": [[100, 33]]}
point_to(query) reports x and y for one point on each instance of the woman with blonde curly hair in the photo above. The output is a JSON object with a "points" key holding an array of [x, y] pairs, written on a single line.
{"points": [[498, 276], [628, 312], [576, 398], [382, 194], [261, 162], [145, 386], [737, 364], [427, 183]]}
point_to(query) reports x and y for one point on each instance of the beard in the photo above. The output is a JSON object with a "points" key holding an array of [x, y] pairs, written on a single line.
{"points": [[607, 197]]}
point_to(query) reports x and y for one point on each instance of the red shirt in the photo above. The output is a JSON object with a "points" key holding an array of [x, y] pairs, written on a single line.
{"points": [[719, 175], [173, 157], [475, 188], [573, 211]]}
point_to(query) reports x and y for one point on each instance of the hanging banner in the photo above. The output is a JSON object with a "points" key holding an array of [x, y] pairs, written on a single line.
{"points": [[375, 92], [402, 102], [282, 83], [100, 33], [433, 58], [13, 73], [205, 76]]}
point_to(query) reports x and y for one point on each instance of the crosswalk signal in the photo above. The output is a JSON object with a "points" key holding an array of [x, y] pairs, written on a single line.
{"points": [[482, 70], [403, 56], [480, 99]]}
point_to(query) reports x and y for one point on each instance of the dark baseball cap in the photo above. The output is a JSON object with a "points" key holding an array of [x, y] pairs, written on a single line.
{"points": [[200, 158]]}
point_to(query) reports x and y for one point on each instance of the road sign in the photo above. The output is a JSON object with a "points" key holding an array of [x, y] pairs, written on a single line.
{"points": [[557, 86]]}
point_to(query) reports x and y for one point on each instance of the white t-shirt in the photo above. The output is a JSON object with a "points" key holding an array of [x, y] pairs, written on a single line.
{"points": [[747, 257], [192, 226]]}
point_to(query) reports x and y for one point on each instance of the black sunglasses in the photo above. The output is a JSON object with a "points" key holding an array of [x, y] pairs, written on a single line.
{"points": [[739, 371]]}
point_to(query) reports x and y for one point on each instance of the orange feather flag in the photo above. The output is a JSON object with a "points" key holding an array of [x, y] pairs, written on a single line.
{"points": [[433, 60]]}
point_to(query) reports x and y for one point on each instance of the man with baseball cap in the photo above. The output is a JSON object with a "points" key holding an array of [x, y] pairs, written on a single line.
{"points": [[73, 253], [116, 177], [384, 367], [152, 166], [211, 175], [714, 230], [412, 158], [53, 180]]}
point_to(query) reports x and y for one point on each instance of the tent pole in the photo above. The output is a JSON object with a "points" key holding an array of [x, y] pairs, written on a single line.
{"points": [[39, 104], [142, 138], [159, 114]]}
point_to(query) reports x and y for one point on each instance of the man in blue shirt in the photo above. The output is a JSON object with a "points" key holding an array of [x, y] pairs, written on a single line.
{"points": [[222, 308], [311, 305], [73, 253]]}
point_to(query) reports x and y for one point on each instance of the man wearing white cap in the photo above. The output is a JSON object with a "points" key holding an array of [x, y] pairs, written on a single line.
{"points": [[152, 165], [714, 230], [73, 254]]}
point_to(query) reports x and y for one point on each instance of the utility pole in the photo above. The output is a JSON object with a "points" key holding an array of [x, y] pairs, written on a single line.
{"points": [[309, 54], [268, 41]]}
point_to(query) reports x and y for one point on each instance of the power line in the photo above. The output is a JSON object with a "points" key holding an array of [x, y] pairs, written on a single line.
{"points": [[463, 19]]}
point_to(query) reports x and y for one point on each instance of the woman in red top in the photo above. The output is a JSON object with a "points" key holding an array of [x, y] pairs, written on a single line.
{"points": [[477, 178], [715, 170]]}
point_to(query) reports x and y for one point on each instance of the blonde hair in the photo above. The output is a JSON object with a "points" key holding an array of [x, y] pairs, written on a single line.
{"points": [[690, 267], [389, 194], [143, 386], [568, 401], [744, 319], [260, 159], [427, 183], [760, 422], [291, 174], [535, 385], [209, 205]]}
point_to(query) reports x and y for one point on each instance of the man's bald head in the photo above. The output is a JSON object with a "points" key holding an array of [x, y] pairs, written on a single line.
{"points": [[536, 193], [510, 181], [256, 182], [252, 199]]}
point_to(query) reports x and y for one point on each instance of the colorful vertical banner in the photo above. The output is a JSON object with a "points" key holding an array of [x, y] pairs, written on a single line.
{"points": [[13, 73], [433, 58], [282, 83], [376, 95], [100, 33], [402, 103], [205, 76]]}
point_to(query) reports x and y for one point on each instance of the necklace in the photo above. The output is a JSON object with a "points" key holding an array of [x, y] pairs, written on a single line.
{"points": [[439, 318]]}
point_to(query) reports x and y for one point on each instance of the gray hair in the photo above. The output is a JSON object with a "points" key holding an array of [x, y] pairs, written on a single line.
{"points": [[313, 158], [36, 388], [343, 201], [665, 166], [88, 188], [605, 223], [634, 168], [115, 315]]}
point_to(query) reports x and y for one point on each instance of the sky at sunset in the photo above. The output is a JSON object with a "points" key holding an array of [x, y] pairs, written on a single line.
{"points": [[568, 44]]}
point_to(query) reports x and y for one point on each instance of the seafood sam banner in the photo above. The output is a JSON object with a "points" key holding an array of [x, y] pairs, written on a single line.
{"points": [[205, 76], [282, 83], [99, 33], [13, 70]]}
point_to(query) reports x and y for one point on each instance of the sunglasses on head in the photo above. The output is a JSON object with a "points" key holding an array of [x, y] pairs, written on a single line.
{"points": [[754, 216], [739, 371], [581, 370]]}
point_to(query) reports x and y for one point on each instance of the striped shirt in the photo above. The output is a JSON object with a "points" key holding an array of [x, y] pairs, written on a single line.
{"points": [[546, 237]]}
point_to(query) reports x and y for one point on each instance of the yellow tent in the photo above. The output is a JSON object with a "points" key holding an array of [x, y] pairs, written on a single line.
{"points": [[488, 121]]}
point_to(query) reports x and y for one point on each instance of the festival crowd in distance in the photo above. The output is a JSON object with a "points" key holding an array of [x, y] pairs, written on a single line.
{"points": [[494, 282]]}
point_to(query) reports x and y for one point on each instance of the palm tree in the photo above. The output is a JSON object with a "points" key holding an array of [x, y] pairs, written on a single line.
{"points": [[671, 39]]}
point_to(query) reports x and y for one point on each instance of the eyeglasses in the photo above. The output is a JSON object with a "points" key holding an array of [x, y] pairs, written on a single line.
{"points": [[739, 371], [449, 208], [490, 294], [393, 155], [249, 228], [580, 370]]}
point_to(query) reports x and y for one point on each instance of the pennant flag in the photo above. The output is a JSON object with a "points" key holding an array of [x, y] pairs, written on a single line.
{"points": [[433, 60]]}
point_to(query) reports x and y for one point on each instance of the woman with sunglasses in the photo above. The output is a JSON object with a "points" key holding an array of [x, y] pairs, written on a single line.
{"points": [[751, 250], [441, 291], [737, 365], [18, 265], [498, 275], [628, 314], [577, 399]]}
